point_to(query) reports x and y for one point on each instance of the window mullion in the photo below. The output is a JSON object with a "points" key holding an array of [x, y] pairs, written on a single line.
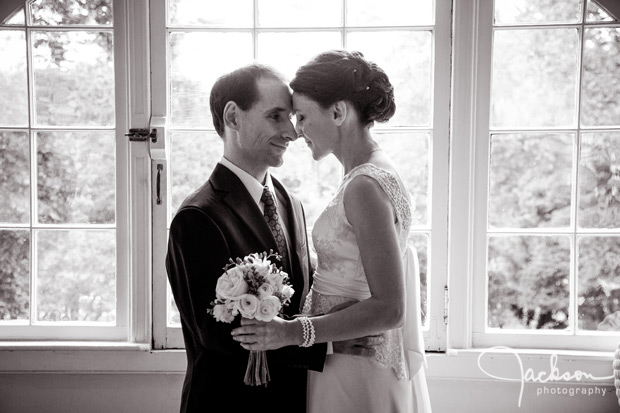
{"points": [[139, 285]]}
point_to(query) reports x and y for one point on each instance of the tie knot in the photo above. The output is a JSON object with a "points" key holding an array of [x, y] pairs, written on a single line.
{"points": [[267, 197]]}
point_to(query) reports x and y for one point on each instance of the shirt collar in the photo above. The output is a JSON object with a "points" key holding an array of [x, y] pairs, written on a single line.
{"points": [[254, 187]]}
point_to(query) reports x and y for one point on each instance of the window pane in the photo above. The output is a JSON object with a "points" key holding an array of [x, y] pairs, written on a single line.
{"points": [[528, 282], [14, 274], [537, 11], [390, 13], [599, 180], [410, 154], [192, 74], [408, 57], [54, 12], [76, 177], [600, 105], [15, 177], [18, 18], [299, 13], [530, 180], [13, 81], [229, 13], [599, 283], [534, 80], [286, 52], [193, 157], [76, 276], [596, 14], [420, 242], [314, 183], [73, 78]]}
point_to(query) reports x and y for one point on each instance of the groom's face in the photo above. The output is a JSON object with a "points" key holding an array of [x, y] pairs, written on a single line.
{"points": [[265, 130]]}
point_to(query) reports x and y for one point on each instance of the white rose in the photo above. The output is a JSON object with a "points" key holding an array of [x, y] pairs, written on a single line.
{"points": [[265, 291], [231, 284], [287, 292], [221, 313], [268, 308], [248, 305]]}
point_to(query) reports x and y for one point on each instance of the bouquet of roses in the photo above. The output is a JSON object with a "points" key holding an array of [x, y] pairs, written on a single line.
{"points": [[255, 288]]}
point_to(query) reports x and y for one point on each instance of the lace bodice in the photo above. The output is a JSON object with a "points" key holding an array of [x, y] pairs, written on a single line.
{"points": [[340, 274]]}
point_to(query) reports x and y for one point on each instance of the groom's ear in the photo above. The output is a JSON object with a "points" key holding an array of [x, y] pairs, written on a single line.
{"points": [[231, 115], [339, 112]]}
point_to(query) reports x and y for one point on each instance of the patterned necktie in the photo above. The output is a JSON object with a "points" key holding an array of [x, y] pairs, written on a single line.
{"points": [[271, 216]]}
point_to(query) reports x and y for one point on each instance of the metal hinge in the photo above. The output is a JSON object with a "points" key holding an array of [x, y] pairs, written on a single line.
{"points": [[141, 135], [446, 301]]}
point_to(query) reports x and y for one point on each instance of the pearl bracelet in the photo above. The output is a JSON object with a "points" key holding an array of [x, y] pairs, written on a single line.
{"points": [[308, 331]]}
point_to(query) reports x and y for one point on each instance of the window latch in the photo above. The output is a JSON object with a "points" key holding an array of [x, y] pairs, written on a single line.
{"points": [[141, 135]]}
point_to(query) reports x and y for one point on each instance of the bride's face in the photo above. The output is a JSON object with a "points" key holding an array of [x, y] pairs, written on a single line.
{"points": [[315, 125]]}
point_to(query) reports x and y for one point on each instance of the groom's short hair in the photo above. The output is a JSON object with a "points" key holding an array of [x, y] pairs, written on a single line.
{"points": [[238, 86]]}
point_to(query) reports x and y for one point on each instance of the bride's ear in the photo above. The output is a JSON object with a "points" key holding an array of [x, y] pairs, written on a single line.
{"points": [[339, 112]]}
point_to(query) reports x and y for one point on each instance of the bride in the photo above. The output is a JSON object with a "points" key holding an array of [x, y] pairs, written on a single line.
{"points": [[365, 269]]}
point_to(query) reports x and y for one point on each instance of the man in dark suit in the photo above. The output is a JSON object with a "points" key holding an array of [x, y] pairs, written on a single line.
{"points": [[224, 219]]}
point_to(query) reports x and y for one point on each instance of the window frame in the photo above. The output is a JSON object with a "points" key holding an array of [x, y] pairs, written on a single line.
{"points": [[82, 331], [477, 79], [165, 336]]}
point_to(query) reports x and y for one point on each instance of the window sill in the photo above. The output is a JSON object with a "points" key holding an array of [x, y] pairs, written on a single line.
{"points": [[86, 357], [455, 364]]}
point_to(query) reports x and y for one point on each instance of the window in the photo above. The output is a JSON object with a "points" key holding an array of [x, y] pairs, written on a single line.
{"points": [[61, 225], [199, 38], [547, 195], [529, 169]]}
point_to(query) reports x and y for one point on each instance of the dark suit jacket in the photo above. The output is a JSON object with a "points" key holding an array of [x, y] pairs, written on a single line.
{"points": [[217, 222]]}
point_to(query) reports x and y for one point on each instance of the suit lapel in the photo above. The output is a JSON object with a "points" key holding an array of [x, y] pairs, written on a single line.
{"points": [[238, 199]]}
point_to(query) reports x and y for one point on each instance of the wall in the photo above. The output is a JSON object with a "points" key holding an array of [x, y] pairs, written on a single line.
{"points": [[455, 384]]}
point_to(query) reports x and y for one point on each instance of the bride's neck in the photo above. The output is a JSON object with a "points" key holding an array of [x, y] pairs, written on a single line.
{"points": [[356, 149]]}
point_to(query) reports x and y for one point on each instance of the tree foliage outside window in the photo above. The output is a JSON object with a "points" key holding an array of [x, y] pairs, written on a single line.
{"points": [[57, 218], [554, 196]]}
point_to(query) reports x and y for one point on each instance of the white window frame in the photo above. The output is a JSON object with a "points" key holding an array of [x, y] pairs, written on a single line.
{"points": [[468, 198], [14, 331], [165, 336]]}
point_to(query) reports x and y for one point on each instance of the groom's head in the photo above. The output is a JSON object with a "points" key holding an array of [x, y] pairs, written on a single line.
{"points": [[252, 110]]}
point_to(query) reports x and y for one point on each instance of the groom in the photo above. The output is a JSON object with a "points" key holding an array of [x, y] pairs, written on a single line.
{"points": [[225, 219]]}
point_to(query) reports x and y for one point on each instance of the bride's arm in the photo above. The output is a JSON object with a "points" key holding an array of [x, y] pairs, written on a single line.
{"points": [[372, 217]]}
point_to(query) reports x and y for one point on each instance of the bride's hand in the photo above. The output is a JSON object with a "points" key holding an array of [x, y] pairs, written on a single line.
{"points": [[260, 335]]}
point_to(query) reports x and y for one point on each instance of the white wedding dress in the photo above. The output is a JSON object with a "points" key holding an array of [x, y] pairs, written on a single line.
{"points": [[394, 379]]}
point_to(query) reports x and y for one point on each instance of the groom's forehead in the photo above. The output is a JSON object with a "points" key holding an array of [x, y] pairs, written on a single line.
{"points": [[274, 93]]}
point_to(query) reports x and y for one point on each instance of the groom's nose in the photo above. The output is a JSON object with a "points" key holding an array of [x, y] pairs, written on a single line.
{"points": [[289, 131]]}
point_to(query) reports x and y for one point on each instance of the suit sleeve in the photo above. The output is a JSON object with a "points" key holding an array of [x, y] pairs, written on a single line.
{"points": [[197, 253]]}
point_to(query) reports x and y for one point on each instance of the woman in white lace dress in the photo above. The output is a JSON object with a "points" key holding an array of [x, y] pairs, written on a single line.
{"points": [[361, 244]]}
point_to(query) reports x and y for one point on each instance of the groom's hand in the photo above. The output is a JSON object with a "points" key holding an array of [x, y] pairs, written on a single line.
{"points": [[363, 346]]}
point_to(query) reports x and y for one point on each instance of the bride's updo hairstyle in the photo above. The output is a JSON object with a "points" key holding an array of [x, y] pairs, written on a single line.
{"points": [[340, 75]]}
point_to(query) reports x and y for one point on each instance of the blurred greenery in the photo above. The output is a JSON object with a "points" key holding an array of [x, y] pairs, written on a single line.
{"points": [[75, 173]]}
